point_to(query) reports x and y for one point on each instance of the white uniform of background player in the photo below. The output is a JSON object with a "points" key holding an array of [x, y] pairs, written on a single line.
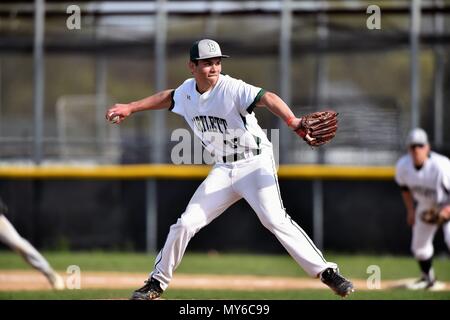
{"points": [[10, 237], [424, 178], [219, 110]]}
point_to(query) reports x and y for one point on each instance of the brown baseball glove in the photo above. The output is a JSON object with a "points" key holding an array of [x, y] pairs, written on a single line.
{"points": [[434, 215], [318, 128]]}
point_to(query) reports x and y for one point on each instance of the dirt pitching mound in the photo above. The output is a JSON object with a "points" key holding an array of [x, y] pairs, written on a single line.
{"points": [[19, 280]]}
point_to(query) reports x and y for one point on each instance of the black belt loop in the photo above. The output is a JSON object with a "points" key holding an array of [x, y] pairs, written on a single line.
{"points": [[239, 156]]}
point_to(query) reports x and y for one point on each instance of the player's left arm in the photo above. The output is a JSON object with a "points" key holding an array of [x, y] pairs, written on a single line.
{"points": [[443, 192], [277, 106]]}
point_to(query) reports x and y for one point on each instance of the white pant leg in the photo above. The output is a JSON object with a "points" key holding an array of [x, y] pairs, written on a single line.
{"points": [[10, 237], [257, 182], [211, 198], [422, 239]]}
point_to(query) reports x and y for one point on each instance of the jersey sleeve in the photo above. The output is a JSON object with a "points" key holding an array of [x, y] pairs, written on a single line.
{"points": [[399, 174], [247, 96], [177, 106], [443, 185], [177, 103]]}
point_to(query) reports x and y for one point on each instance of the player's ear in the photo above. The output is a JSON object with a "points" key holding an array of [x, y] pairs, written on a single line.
{"points": [[191, 66]]}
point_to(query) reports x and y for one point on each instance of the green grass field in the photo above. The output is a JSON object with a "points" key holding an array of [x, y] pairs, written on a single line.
{"points": [[228, 295], [352, 266]]}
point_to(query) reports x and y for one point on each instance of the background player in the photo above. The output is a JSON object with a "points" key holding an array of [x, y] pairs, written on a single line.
{"points": [[219, 110], [10, 237], [424, 178]]}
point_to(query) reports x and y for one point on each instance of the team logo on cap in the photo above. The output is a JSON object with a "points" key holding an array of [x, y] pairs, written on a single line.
{"points": [[212, 47]]}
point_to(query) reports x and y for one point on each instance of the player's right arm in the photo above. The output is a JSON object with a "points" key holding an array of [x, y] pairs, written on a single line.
{"points": [[400, 179], [160, 100], [408, 200]]}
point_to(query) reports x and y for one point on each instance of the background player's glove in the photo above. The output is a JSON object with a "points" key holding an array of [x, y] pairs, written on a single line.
{"points": [[434, 215], [318, 128]]}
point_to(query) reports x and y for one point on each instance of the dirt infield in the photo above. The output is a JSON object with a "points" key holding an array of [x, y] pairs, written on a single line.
{"points": [[19, 280]]}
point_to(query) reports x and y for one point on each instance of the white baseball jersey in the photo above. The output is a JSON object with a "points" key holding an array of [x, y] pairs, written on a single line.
{"points": [[429, 185], [223, 117]]}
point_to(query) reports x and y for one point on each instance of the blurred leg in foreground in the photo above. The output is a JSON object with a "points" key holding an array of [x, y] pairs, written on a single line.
{"points": [[10, 237]]}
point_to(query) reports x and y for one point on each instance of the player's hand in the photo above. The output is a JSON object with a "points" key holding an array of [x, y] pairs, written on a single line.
{"points": [[411, 218], [118, 112], [445, 213]]}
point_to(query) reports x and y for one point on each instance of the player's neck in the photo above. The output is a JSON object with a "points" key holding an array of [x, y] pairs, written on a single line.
{"points": [[205, 85]]}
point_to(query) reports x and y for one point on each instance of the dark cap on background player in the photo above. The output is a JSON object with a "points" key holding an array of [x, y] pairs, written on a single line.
{"points": [[206, 49]]}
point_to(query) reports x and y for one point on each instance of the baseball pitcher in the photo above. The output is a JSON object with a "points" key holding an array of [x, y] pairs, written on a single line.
{"points": [[219, 110]]}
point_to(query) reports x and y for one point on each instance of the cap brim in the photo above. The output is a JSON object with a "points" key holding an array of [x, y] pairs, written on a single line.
{"points": [[210, 57], [416, 142]]}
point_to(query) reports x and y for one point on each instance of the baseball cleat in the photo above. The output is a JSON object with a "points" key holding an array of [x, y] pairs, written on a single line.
{"points": [[426, 284], [336, 282], [419, 284], [150, 291]]}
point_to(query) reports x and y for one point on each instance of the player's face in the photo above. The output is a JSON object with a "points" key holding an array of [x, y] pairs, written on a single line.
{"points": [[419, 153], [207, 70]]}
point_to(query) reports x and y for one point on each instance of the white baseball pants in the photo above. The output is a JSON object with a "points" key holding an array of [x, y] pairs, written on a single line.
{"points": [[423, 235], [255, 180]]}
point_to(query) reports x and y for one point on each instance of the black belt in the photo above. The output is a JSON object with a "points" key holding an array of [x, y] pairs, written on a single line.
{"points": [[239, 156]]}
